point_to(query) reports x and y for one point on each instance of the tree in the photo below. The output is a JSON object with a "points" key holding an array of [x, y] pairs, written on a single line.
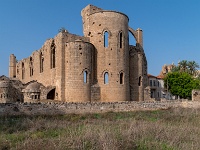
{"points": [[187, 66], [192, 65], [175, 69], [181, 84], [183, 65]]}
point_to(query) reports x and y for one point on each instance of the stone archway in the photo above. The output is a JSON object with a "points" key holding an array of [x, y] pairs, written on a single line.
{"points": [[51, 94], [137, 34], [134, 33], [48, 93]]}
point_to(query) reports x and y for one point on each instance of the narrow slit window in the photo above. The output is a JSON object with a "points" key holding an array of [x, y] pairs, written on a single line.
{"points": [[23, 71], [85, 74], [53, 58], [120, 40], [31, 66], [121, 78], [106, 78], [41, 62], [30, 71], [106, 35], [139, 81]]}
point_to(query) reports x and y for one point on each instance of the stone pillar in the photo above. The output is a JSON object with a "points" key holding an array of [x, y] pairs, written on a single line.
{"points": [[12, 66], [139, 37], [140, 77]]}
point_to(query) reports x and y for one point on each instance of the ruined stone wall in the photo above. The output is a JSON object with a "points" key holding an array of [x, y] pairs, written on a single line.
{"points": [[5, 95], [95, 107], [8, 92], [29, 69], [138, 73], [196, 95], [134, 77], [112, 58], [85, 13]]}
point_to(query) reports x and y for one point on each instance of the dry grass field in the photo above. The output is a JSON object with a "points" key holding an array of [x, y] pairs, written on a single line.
{"points": [[172, 129]]}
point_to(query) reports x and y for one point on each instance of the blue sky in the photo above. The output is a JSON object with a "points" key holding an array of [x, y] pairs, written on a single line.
{"points": [[171, 28]]}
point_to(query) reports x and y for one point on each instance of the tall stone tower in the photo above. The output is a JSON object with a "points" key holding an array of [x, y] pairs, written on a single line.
{"points": [[79, 71], [108, 32], [12, 66]]}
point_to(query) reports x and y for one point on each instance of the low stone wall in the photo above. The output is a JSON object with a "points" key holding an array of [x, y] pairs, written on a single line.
{"points": [[195, 95], [50, 108]]}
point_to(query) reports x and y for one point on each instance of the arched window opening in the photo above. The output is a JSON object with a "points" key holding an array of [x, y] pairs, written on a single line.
{"points": [[41, 62], [31, 66], [131, 38], [85, 76], [23, 71], [53, 58], [106, 35], [106, 78], [120, 40], [121, 78], [51, 94]]}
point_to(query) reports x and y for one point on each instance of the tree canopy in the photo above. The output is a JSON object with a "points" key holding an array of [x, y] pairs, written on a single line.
{"points": [[187, 66], [181, 83]]}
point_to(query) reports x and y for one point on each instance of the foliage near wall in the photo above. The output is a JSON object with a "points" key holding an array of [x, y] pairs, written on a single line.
{"points": [[181, 84]]}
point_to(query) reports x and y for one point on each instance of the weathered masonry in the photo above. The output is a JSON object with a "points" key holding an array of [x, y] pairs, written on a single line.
{"points": [[99, 66]]}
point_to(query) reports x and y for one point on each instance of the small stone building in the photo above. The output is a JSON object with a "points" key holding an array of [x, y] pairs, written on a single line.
{"points": [[32, 92], [10, 90], [99, 66]]}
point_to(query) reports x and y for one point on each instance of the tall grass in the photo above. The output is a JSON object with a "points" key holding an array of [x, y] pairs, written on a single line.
{"points": [[173, 129]]}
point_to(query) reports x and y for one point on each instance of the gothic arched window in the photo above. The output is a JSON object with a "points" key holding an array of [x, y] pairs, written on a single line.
{"points": [[85, 76], [53, 55], [106, 35], [106, 78]]}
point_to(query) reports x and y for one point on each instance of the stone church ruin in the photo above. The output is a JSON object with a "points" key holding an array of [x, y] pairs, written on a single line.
{"points": [[100, 66]]}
